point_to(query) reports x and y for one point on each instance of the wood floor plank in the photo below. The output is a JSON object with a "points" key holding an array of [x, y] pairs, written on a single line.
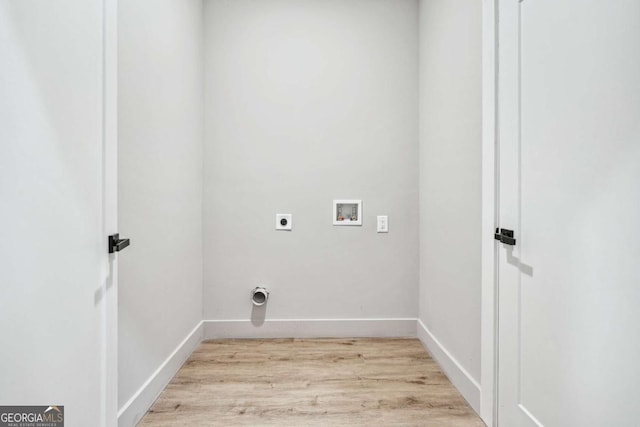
{"points": [[311, 382]]}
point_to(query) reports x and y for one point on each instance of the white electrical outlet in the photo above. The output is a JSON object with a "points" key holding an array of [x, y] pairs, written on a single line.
{"points": [[383, 224], [284, 221]]}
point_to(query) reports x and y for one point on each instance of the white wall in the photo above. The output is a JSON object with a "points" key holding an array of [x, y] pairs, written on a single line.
{"points": [[307, 101], [160, 188], [450, 182], [53, 255]]}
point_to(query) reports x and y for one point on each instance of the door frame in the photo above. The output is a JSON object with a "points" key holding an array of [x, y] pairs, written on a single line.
{"points": [[489, 279], [490, 151]]}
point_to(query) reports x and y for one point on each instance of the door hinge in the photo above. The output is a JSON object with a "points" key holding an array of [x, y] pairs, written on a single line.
{"points": [[505, 236], [116, 244]]}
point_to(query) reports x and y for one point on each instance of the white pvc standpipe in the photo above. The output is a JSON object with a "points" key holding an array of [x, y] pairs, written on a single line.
{"points": [[259, 296]]}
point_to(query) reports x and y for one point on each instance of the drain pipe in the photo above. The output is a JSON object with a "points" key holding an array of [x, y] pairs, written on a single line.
{"points": [[259, 296]]}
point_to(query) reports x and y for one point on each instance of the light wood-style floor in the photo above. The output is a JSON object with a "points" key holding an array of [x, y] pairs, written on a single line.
{"points": [[311, 382]]}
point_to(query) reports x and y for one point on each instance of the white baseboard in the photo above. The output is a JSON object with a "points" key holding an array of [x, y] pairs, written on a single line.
{"points": [[459, 377], [310, 328], [132, 412]]}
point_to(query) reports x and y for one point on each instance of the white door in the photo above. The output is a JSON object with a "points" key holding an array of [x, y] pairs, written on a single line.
{"points": [[57, 206], [569, 186]]}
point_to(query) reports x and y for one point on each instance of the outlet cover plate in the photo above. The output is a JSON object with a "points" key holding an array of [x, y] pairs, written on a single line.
{"points": [[383, 224], [284, 222]]}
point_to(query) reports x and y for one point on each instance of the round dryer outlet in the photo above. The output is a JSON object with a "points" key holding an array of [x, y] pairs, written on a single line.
{"points": [[284, 221]]}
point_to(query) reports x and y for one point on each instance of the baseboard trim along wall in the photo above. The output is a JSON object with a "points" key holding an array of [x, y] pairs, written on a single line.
{"points": [[459, 377], [132, 412], [310, 328]]}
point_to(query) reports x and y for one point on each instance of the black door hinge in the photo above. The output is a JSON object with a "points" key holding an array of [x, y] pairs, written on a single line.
{"points": [[505, 236]]}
